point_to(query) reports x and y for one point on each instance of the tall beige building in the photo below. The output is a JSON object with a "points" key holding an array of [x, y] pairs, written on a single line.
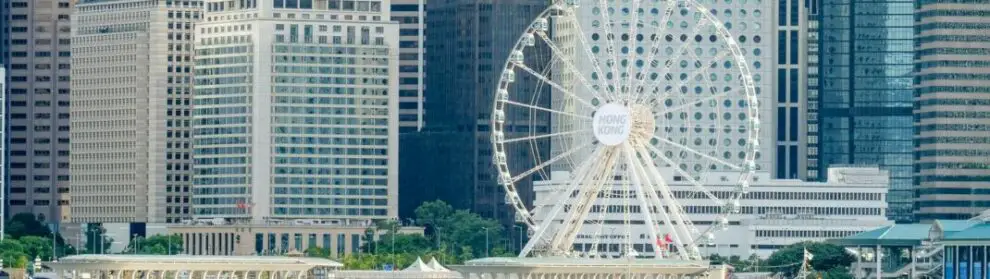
{"points": [[38, 61], [131, 111]]}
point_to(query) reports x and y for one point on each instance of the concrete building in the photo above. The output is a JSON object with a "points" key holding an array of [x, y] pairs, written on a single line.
{"points": [[811, 104], [774, 214], [192, 267], [131, 104], [411, 16], [952, 155], [3, 147], [38, 63], [296, 111], [274, 238], [865, 103]]}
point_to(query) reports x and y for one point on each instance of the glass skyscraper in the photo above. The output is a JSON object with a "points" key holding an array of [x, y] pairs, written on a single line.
{"points": [[865, 90], [451, 159], [952, 108]]}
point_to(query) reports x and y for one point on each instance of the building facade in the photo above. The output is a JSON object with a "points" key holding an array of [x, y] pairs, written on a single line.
{"points": [[451, 159], [411, 16], [38, 63], [274, 238], [865, 70], [296, 110], [131, 149], [791, 86], [813, 86], [952, 140], [775, 213]]}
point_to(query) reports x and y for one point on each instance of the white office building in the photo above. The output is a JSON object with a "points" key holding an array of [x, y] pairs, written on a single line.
{"points": [[411, 16], [775, 213], [296, 110], [131, 110]]}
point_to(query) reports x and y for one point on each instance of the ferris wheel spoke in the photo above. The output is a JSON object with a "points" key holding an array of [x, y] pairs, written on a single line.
{"points": [[553, 84], [695, 102], [645, 207], [543, 136], [551, 161], [682, 172], [610, 48], [595, 62], [514, 103], [703, 69], [657, 37], [662, 208], [688, 149], [633, 32], [684, 229], [677, 56], [593, 182], [569, 65]]}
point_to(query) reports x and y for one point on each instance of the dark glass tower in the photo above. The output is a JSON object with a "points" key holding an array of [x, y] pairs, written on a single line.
{"points": [[451, 159], [865, 108]]}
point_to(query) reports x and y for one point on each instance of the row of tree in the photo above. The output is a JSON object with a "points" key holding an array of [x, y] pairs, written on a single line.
{"points": [[27, 238]]}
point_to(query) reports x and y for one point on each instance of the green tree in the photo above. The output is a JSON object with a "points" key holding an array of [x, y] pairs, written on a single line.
{"points": [[156, 245], [461, 228], [826, 257], [96, 239]]}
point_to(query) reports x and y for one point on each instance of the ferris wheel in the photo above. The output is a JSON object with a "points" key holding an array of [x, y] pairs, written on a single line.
{"points": [[637, 95]]}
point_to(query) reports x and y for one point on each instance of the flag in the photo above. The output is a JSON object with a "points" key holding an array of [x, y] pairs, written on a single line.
{"points": [[808, 255], [663, 242]]}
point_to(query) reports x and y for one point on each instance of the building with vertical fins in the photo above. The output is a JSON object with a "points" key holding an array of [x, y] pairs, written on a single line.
{"points": [[952, 109], [791, 76], [296, 111], [866, 51], [132, 84]]}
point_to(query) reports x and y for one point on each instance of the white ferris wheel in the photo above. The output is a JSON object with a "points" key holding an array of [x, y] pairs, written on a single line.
{"points": [[635, 94]]}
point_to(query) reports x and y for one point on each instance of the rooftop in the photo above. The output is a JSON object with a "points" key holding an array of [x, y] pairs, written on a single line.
{"points": [[893, 235], [187, 259], [565, 261]]}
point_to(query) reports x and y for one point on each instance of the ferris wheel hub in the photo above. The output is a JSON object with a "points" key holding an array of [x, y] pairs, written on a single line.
{"points": [[612, 124]]}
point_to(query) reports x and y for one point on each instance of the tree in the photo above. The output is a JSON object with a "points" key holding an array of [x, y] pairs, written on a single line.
{"points": [[156, 245], [826, 257], [461, 228], [96, 239]]}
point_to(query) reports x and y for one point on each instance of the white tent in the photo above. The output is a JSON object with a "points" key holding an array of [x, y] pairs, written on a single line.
{"points": [[436, 266], [419, 266]]}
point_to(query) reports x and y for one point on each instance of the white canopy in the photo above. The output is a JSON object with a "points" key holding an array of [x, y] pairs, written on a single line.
{"points": [[418, 266], [436, 265]]}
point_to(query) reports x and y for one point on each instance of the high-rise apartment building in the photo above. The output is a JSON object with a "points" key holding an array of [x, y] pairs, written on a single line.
{"points": [[132, 85], [952, 109], [468, 43], [865, 61], [791, 75], [296, 111], [3, 144], [38, 64], [411, 16]]}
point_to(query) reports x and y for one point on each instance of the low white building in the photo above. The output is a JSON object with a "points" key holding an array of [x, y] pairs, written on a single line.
{"points": [[775, 213]]}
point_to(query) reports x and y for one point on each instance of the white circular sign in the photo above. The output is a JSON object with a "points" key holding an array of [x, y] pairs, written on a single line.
{"points": [[612, 124]]}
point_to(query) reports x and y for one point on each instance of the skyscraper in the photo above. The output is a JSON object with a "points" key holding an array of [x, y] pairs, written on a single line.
{"points": [[468, 42], [811, 105], [38, 100], [132, 91], [952, 109], [411, 15], [791, 75], [865, 69], [296, 111]]}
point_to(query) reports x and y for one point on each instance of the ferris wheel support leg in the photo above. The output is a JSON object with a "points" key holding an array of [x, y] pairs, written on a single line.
{"points": [[652, 194], [674, 207], [640, 195], [558, 206], [564, 238]]}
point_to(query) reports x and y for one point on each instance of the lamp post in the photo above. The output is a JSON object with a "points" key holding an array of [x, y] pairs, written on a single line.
{"points": [[486, 244]]}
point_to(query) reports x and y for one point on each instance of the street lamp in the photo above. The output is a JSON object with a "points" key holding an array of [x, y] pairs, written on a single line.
{"points": [[487, 254]]}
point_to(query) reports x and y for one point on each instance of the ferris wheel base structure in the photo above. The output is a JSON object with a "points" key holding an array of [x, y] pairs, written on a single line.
{"points": [[584, 268]]}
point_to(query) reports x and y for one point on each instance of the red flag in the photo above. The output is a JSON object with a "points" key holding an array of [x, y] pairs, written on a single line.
{"points": [[667, 238]]}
